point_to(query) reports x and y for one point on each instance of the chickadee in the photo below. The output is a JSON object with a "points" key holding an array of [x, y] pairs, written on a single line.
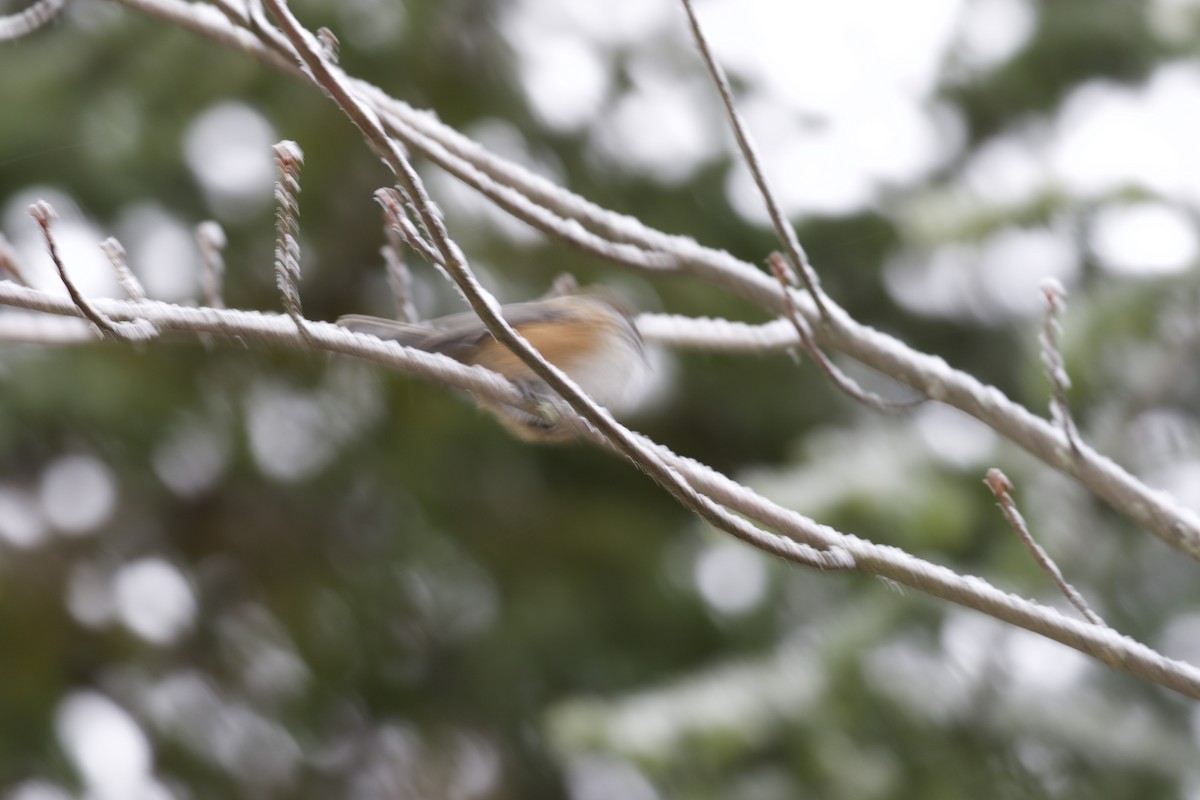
{"points": [[590, 336]]}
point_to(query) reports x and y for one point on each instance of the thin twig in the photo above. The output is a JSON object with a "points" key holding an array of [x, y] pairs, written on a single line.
{"points": [[488, 310], [1052, 359], [398, 274], [270, 36], [400, 279], [135, 330], [23, 23], [210, 237], [401, 226], [1001, 487], [785, 276], [116, 256], [288, 158], [10, 263], [783, 229]]}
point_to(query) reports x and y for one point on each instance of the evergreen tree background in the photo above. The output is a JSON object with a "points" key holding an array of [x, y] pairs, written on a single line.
{"points": [[231, 572]]}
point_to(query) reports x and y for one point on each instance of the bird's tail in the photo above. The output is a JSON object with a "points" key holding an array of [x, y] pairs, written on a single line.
{"points": [[410, 335]]}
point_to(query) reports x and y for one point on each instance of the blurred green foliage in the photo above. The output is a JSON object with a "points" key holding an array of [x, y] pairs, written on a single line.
{"points": [[434, 603]]}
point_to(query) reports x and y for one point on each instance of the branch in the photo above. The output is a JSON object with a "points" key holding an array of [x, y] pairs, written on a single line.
{"points": [[1119, 652], [23, 23], [685, 256], [1155, 511], [210, 237], [488, 310]]}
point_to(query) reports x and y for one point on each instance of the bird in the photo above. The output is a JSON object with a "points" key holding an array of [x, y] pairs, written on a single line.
{"points": [[588, 333]]}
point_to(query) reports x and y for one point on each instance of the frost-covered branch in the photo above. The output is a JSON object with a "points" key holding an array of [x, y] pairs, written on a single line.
{"points": [[394, 129], [783, 529]]}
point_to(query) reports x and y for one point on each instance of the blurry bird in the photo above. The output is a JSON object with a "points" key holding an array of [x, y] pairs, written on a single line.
{"points": [[589, 335]]}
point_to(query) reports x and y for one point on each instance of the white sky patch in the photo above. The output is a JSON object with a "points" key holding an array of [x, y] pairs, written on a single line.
{"points": [[991, 32], [1180, 639], [228, 148], [813, 174], [851, 82], [1109, 137], [77, 238], [967, 640], [614, 23], [731, 577], [154, 600], [295, 432], [1014, 262], [954, 438], [1007, 170], [904, 669], [1042, 666], [22, 523], [1143, 239], [106, 746], [162, 251], [287, 437], [78, 494], [660, 128], [849, 87], [192, 458], [1180, 479], [603, 777], [565, 78], [89, 595], [38, 790], [821, 57], [994, 280]]}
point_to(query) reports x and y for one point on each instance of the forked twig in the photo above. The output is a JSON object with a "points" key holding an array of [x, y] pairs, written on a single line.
{"points": [[9, 263], [786, 278], [399, 276], [135, 330], [116, 256], [1001, 487], [403, 228]]}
